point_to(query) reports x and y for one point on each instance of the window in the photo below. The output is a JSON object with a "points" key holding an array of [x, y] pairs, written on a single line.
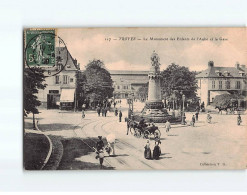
{"points": [[228, 85], [220, 84], [238, 85], [118, 87], [57, 79], [71, 80], [213, 84], [65, 79], [54, 91]]}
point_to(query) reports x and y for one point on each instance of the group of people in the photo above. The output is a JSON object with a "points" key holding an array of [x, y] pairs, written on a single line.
{"points": [[102, 110], [156, 150], [109, 148], [119, 114]]}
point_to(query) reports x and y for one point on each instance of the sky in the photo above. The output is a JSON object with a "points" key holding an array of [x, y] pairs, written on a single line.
{"points": [[190, 47]]}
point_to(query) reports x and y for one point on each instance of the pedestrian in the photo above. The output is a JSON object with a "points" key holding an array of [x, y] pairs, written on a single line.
{"points": [[116, 111], [103, 111], [83, 113], [156, 150], [197, 113], [128, 126], [98, 110], [167, 126], [120, 116], [193, 120], [111, 144], [99, 151], [209, 117], [147, 150], [239, 119], [114, 104]]}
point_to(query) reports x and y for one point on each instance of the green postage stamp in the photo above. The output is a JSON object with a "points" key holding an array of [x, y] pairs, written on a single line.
{"points": [[40, 47]]}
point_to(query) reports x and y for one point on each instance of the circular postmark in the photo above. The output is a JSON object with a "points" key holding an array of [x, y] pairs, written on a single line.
{"points": [[45, 50]]}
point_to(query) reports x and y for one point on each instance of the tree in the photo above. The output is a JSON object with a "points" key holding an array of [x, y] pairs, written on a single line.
{"points": [[80, 87], [98, 82], [178, 80], [225, 101], [143, 92], [33, 80]]}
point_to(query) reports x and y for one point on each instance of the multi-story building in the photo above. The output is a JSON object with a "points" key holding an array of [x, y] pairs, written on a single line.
{"points": [[60, 89], [220, 80], [127, 83]]}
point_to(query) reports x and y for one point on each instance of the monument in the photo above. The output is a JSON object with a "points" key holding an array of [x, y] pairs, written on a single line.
{"points": [[154, 108]]}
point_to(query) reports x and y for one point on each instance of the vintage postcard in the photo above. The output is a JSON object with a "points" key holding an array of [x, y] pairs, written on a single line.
{"points": [[134, 98]]}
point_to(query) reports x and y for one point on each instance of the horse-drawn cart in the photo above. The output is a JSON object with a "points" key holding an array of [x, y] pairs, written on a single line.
{"points": [[145, 131]]}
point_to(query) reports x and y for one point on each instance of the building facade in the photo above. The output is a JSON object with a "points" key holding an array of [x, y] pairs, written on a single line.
{"points": [[60, 89], [220, 80], [127, 83]]}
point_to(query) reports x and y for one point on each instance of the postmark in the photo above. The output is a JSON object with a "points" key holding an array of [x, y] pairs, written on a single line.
{"points": [[46, 50]]}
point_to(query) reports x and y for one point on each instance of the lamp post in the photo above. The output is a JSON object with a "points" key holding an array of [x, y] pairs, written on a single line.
{"points": [[183, 114]]}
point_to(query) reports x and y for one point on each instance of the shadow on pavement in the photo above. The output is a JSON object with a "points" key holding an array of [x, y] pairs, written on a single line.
{"points": [[116, 155], [56, 127], [75, 148]]}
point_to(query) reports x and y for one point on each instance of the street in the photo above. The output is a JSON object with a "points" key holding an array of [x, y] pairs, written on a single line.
{"points": [[219, 145]]}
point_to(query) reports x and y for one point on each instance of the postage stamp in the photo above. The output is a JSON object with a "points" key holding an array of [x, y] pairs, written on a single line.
{"points": [[40, 47], [43, 49]]}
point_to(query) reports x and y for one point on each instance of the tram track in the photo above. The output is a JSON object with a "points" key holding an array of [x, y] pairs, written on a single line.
{"points": [[86, 135], [130, 146]]}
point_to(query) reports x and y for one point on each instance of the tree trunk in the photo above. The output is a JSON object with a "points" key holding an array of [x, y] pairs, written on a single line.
{"points": [[33, 122]]}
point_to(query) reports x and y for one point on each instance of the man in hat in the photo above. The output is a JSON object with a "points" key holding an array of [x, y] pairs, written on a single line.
{"points": [[120, 116], [100, 144], [100, 152]]}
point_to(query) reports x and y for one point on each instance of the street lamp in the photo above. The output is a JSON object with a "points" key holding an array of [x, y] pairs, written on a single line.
{"points": [[183, 98], [183, 114]]}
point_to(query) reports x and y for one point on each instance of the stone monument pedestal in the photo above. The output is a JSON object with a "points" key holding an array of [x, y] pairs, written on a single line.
{"points": [[154, 110]]}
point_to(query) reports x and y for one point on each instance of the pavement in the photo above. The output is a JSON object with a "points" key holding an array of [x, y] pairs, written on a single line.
{"points": [[219, 145]]}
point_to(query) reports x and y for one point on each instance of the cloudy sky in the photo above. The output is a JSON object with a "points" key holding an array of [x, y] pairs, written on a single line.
{"points": [[86, 44]]}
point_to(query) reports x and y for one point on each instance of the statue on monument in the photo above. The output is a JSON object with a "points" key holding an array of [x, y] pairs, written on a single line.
{"points": [[155, 61]]}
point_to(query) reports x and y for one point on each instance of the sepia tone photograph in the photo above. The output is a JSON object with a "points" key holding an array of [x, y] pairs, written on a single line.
{"points": [[134, 98]]}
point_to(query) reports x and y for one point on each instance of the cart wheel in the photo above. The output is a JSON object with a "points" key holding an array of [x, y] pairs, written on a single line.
{"points": [[146, 134], [138, 133], [157, 133], [132, 131]]}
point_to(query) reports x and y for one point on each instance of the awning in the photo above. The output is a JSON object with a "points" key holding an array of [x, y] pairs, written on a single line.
{"points": [[67, 95], [214, 93]]}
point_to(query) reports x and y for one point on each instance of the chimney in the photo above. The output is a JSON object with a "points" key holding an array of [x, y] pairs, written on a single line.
{"points": [[237, 65], [211, 64]]}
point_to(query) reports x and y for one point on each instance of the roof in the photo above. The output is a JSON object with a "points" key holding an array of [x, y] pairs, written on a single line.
{"points": [[66, 58], [212, 72], [128, 72]]}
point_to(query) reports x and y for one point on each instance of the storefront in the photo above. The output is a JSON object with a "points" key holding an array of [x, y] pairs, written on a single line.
{"points": [[67, 99]]}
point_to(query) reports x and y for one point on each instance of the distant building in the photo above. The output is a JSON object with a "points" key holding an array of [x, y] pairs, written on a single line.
{"points": [[220, 80], [60, 90], [127, 83]]}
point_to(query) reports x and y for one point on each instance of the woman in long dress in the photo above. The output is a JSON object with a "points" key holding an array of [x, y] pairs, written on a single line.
{"points": [[156, 151], [147, 151]]}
